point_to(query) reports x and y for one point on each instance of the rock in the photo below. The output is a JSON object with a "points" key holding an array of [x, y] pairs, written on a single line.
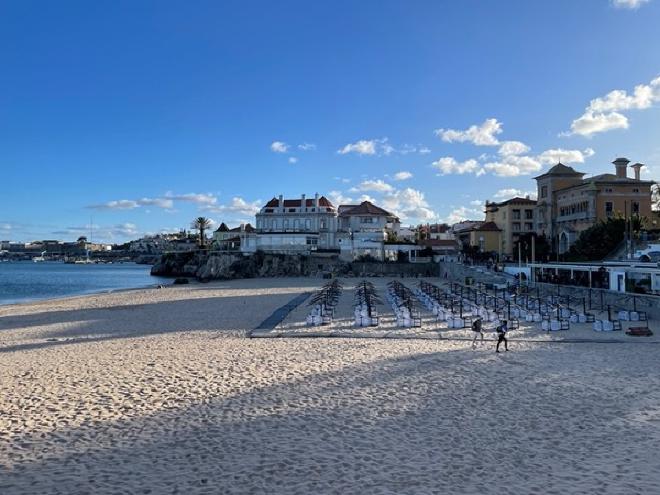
{"points": [[181, 281]]}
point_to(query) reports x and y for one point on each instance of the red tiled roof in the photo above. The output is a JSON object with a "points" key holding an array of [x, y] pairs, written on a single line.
{"points": [[517, 199], [296, 203], [487, 226], [367, 208], [248, 228]]}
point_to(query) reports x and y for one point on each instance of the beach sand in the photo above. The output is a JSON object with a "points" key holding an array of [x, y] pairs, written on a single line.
{"points": [[159, 391]]}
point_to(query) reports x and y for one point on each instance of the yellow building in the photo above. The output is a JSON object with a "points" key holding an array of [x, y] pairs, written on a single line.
{"points": [[486, 236], [569, 204], [514, 217]]}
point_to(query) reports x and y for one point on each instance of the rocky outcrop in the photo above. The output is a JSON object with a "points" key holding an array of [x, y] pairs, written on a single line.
{"points": [[211, 266], [179, 264]]}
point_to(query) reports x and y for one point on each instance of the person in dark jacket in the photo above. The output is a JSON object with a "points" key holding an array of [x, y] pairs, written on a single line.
{"points": [[501, 336]]}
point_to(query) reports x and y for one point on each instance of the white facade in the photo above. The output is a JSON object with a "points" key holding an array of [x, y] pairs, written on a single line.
{"points": [[305, 225]]}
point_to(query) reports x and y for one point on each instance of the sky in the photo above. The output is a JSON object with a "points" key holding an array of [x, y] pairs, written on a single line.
{"points": [[135, 117]]}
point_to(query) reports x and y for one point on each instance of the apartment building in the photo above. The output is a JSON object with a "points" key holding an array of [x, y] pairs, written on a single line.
{"points": [[514, 217], [569, 203]]}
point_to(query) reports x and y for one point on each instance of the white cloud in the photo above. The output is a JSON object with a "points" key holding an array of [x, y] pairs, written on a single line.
{"points": [[479, 135], [293, 159], [362, 147], [476, 202], [380, 147], [512, 166], [337, 198], [507, 193], [590, 123], [508, 148], [449, 165], [307, 147], [629, 4], [403, 175], [279, 147], [165, 203], [199, 198], [463, 213], [237, 205], [604, 114], [409, 205], [121, 204], [553, 156], [373, 185]]}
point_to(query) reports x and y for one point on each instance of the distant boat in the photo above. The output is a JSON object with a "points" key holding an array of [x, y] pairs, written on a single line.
{"points": [[38, 259]]}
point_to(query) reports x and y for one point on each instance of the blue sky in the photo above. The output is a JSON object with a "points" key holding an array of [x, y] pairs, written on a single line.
{"points": [[144, 115]]}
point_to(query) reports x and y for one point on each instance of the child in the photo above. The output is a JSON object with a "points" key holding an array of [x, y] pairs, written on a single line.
{"points": [[476, 328], [501, 336]]}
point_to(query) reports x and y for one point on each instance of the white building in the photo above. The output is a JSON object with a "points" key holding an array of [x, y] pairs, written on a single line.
{"points": [[296, 225], [305, 225], [363, 230]]}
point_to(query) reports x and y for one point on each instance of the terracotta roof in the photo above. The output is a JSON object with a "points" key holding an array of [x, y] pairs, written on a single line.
{"points": [[517, 199], [296, 203], [248, 228], [487, 226], [560, 169], [366, 208]]}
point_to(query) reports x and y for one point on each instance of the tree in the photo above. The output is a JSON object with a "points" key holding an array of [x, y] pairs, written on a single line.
{"points": [[541, 247], [201, 224], [598, 241]]}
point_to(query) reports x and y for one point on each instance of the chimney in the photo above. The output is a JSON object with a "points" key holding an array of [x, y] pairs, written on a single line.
{"points": [[281, 203], [637, 167], [316, 201], [242, 227], [621, 165], [303, 204]]}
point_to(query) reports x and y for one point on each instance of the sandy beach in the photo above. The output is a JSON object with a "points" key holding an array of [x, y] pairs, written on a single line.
{"points": [[160, 391]]}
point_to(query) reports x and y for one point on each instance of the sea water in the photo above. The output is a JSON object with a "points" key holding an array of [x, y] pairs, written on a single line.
{"points": [[29, 281]]}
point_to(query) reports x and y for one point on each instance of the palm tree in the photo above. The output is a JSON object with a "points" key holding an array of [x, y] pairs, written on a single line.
{"points": [[201, 224]]}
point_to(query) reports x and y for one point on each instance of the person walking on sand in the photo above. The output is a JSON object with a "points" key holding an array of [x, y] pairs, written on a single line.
{"points": [[477, 330], [501, 336]]}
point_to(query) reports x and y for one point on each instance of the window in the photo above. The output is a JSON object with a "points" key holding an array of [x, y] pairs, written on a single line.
{"points": [[516, 226], [529, 214], [285, 224], [635, 190], [482, 244], [608, 189], [544, 191], [516, 214], [608, 209], [292, 210], [324, 224], [274, 225], [311, 241], [366, 219], [296, 224], [635, 207], [308, 224], [529, 226]]}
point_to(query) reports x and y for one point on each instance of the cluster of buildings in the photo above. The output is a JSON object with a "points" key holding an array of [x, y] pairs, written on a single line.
{"points": [[52, 247], [314, 225], [567, 204]]}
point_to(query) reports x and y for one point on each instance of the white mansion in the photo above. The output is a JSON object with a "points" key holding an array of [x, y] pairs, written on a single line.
{"points": [[305, 225]]}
